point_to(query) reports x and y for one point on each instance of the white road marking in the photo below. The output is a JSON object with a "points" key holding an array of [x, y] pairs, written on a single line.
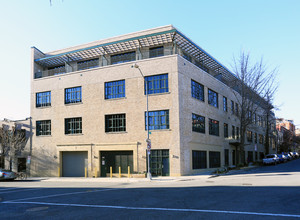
{"points": [[63, 194], [9, 188], [159, 209]]}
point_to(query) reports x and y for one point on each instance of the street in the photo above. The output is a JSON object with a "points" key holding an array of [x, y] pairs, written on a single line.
{"points": [[270, 192]]}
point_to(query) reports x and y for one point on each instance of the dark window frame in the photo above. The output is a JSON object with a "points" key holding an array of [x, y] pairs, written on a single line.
{"points": [[123, 57], [115, 123], [225, 106], [88, 64], [156, 84], [73, 125], [214, 159], [199, 159], [214, 127], [114, 89], [212, 98], [156, 52], [197, 90], [159, 116], [43, 99], [73, 95], [198, 123], [43, 128], [225, 130]]}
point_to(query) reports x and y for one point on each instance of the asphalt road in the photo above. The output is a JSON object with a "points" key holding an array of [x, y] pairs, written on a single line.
{"points": [[271, 192]]}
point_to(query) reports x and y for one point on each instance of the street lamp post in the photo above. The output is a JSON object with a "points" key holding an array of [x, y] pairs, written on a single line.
{"points": [[148, 139]]}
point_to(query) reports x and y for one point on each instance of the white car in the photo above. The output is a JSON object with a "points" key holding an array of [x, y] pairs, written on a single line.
{"points": [[271, 159]]}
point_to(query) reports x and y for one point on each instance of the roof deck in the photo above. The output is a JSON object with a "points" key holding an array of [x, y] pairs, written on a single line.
{"points": [[151, 43]]}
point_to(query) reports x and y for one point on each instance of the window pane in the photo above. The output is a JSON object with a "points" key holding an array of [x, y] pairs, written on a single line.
{"points": [[43, 99], [197, 90], [73, 125], [157, 120], [73, 95], [157, 84], [115, 89], [115, 123]]}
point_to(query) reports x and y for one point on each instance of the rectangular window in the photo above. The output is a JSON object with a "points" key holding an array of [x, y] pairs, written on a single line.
{"points": [[115, 89], [237, 133], [213, 127], [198, 123], [157, 84], [260, 138], [156, 52], [249, 136], [43, 127], [237, 109], [157, 120], [232, 107], [225, 130], [88, 64], [115, 123], [214, 159], [212, 98], [123, 57], [56, 70], [199, 159], [255, 137], [224, 104], [226, 153], [197, 90], [73, 95], [43, 99], [233, 132], [73, 125]]}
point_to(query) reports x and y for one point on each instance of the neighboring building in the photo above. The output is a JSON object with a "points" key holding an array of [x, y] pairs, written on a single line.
{"points": [[16, 134], [287, 124], [89, 108]]}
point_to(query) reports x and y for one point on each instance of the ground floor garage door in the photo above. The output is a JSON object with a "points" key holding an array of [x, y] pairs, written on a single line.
{"points": [[74, 163], [116, 159]]}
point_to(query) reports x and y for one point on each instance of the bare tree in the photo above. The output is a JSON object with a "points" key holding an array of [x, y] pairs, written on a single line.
{"points": [[12, 141], [254, 88]]}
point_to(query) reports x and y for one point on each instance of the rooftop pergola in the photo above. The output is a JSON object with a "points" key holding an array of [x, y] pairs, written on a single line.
{"points": [[135, 43]]}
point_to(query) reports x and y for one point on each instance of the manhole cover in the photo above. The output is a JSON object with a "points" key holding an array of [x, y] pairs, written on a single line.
{"points": [[35, 209]]}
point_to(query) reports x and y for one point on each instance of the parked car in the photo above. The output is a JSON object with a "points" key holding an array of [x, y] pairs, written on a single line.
{"points": [[295, 155], [271, 159], [288, 156], [7, 175], [282, 158]]}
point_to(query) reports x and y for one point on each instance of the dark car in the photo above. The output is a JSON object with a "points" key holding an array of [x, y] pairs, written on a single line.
{"points": [[282, 158]]}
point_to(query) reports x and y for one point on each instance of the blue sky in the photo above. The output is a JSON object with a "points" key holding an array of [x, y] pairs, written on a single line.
{"points": [[268, 28]]}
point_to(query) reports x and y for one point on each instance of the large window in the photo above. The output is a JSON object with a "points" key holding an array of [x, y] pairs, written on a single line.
{"points": [[213, 127], [224, 104], [249, 136], [156, 52], [43, 127], [157, 120], [56, 70], [198, 123], [73, 125], [73, 95], [225, 130], [197, 90], [88, 64], [260, 138], [157, 84], [213, 98], [199, 159], [115, 123], [237, 133], [123, 57], [232, 107], [115, 89], [214, 159], [43, 99], [233, 132]]}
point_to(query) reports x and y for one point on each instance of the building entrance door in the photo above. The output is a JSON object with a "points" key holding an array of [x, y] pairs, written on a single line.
{"points": [[116, 159], [159, 163]]}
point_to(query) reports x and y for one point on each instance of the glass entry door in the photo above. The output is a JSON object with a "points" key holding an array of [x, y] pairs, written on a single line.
{"points": [[159, 163]]}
